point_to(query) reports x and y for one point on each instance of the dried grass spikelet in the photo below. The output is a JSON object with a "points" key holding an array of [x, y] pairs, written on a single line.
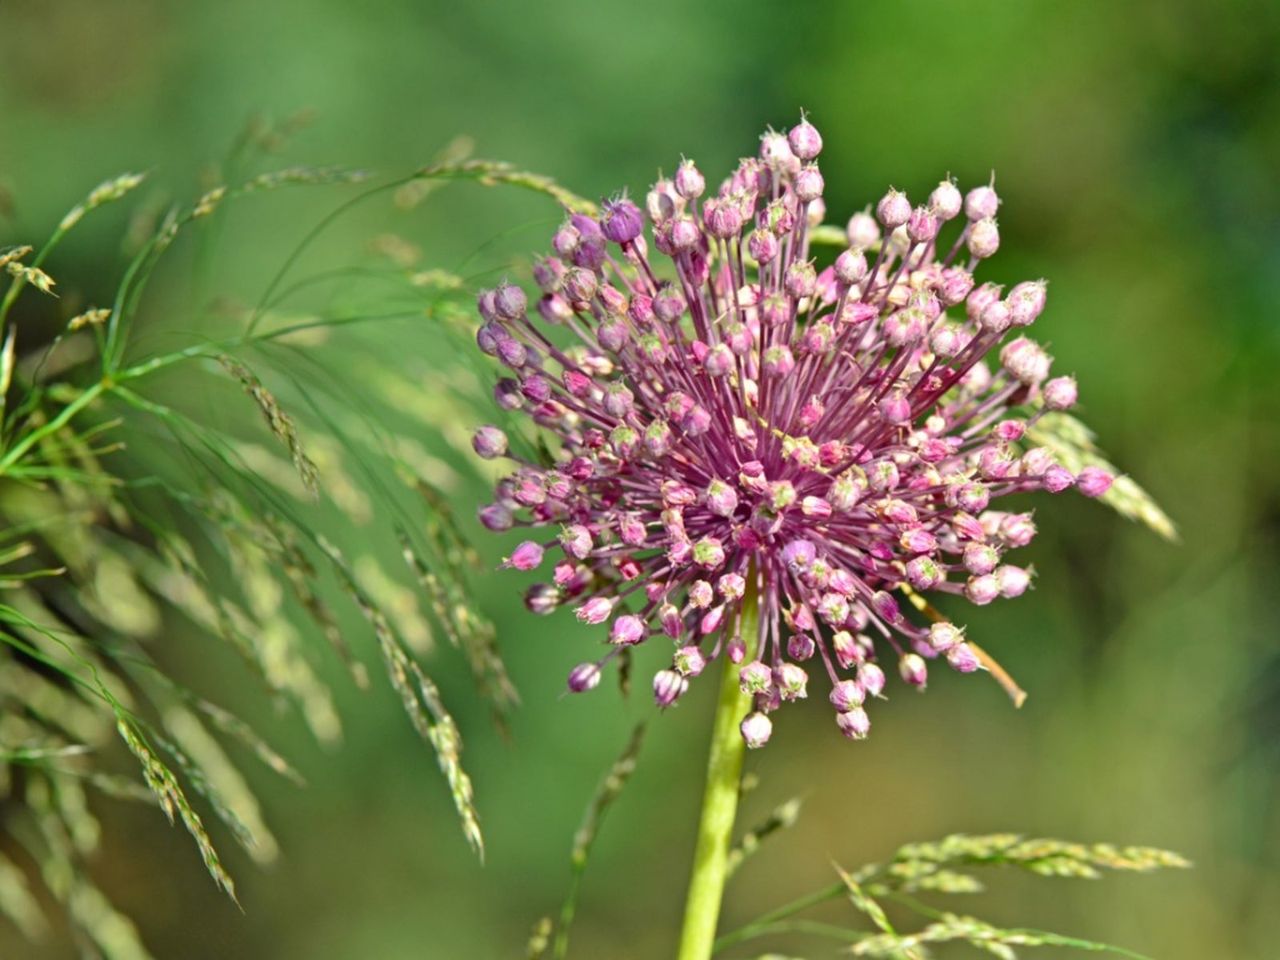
{"points": [[280, 423]]}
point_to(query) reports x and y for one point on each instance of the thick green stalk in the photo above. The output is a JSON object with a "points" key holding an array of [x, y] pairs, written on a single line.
{"points": [[719, 804]]}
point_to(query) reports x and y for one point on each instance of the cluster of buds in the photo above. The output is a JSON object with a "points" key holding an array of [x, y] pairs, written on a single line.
{"points": [[743, 435]]}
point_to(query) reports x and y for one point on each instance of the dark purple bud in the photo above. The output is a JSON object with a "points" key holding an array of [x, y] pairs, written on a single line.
{"points": [[621, 221], [495, 517], [668, 686], [584, 677], [508, 301]]}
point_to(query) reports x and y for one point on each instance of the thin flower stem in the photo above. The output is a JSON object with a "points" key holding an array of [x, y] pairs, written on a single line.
{"points": [[719, 803]]}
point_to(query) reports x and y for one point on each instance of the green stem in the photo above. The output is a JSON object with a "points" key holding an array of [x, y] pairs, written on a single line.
{"points": [[719, 804]]}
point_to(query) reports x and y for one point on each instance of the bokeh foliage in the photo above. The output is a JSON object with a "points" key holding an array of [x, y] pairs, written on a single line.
{"points": [[1134, 145]]}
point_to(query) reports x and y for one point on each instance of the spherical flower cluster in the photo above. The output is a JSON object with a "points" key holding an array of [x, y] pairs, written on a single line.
{"points": [[743, 434]]}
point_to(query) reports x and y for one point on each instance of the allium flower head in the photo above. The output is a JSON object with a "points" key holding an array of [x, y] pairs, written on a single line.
{"points": [[735, 422]]}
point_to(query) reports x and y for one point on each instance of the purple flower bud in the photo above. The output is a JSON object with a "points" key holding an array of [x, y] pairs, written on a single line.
{"points": [[526, 556], [708, 552], [963, 659], [805, 141], [923, 225], [495, 517], [946, 200], [894, 209], [509, 301], [662, 201], [576, 541], [778, 361], [756, 729], [923, 573], [870, 678], [512, 353], [689, 182], [913, 670], [1094, 481], [846, 695], [1057, 478], [762, 246], [886, 607], [701, 595], [489, 336], [833, 608], [791, 680], [755, 677], [895, 410], [854, 723], [996, 318], [943, 636], [808, 183], [850, 267], [689, 661], [621, 221], [1017, 529], [618, 400], [668, 686], [627, 630], [584, 677], [542, 598], [983, 239], [980, 558], [981, 203], [595, 611], [722, 218]]}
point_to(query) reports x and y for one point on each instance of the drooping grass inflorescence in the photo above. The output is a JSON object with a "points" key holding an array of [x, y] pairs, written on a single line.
{"points": [[730, 417]]}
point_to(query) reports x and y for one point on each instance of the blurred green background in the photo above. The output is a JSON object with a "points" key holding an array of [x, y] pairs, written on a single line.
{"points": [[1137, 148]]}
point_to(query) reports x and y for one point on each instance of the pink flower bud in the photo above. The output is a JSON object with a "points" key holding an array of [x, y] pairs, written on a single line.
{"points": [[1094, 481], [894, 209], [526, 556], [962, 658], [983, 239], [982, 590], [871, 678], [981, 203], [805, 141], [846, 695], [1013, 580], [1057, 478], [627, 630], [689, 182], [1059, 393], [756, 729], [854, 723], [943, 636], [912, 669], [791, 681], [595, 611], [946, 201]]}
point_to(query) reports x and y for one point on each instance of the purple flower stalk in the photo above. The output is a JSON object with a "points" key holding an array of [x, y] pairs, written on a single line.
{"points": [[734, 424]]}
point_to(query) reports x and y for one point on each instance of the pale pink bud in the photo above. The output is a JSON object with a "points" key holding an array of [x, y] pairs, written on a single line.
{"points": [[756, 729]]}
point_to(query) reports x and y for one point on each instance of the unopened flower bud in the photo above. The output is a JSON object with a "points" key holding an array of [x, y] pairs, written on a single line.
{"points": [[1094, 481], [584, 677], [756, 729], [854, 723], [846, 695], [526, 556], [805, 141], [963, 659], [913, 670], [689, 182], [871, 678], [627, 630], [791, 681], [982, 590], [489, 442], [1059, 393], [946, 200], [981, 203], [894, 209], [621, 221], [984, 239], [668, 686], [755, 677]]}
